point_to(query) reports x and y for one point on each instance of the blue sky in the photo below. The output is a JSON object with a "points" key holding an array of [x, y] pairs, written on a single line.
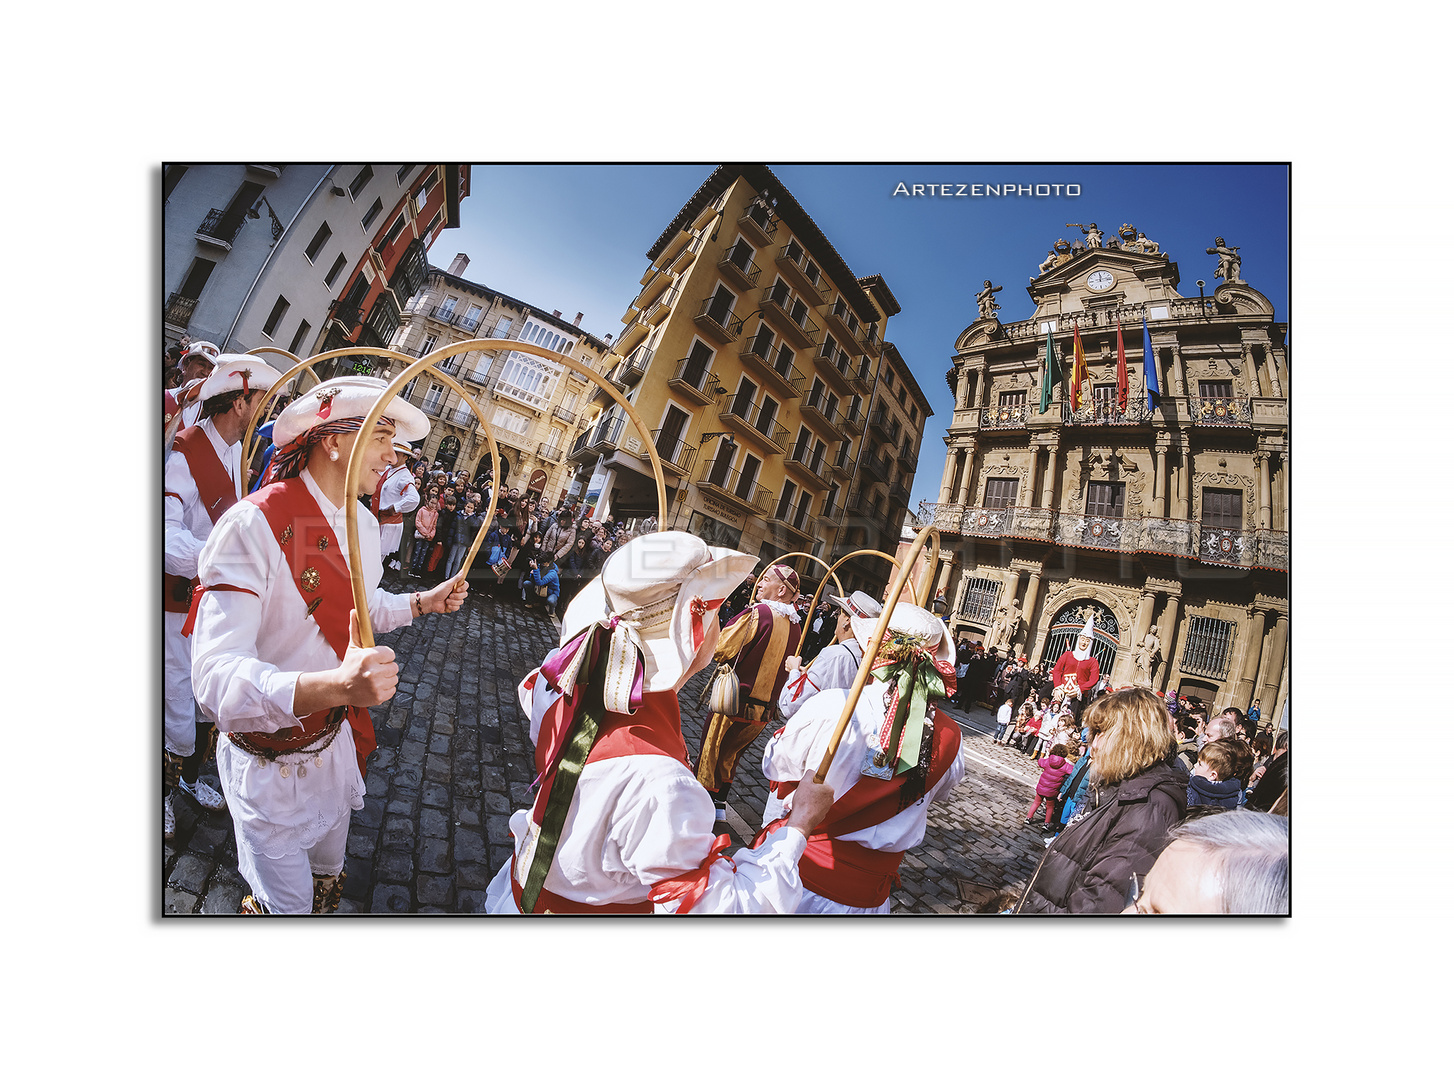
{"points": [[575, 238]]}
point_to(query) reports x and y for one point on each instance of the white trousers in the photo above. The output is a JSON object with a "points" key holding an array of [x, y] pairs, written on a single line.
{"points": [[179, 711], [285, 884]]}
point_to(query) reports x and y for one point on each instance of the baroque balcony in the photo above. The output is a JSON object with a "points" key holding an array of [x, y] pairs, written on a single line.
{"points": [[220, 228], [179, 310], [756, 222], [1105, 319], [718, 321], [750, 420], [742, 491], [1259, 548], [692, 379], [801, 271], [791, 316], [1107, 412], [1223, 412]]}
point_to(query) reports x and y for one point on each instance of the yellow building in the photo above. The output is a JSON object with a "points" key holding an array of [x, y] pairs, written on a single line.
{"points": [[758, 361], [534, 407], [1167, 525]]}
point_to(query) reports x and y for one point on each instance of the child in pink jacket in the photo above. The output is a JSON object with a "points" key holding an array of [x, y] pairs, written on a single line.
{"points": [[1053, 771]]}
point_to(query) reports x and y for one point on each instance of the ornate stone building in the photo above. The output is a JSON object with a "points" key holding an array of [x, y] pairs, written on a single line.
{"points": [[1166, 524]]}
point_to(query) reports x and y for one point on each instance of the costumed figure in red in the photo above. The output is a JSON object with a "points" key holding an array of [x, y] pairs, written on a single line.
{"points": [[1076, 673]]}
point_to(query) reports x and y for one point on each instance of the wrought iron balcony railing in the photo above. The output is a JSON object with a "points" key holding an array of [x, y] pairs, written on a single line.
{"points": [[179, 310], [1236, 411], [220, 225]]}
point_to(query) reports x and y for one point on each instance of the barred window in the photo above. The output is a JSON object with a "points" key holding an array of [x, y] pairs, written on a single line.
{"points": [[1000, 493], [1221, 509], [981, 597], [1208, 645], [1008, 398]]}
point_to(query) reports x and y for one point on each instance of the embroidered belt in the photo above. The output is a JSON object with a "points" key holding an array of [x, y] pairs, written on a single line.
{"points": [[270, 746]]}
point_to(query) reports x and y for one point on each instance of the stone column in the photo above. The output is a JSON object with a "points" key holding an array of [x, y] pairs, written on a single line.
{"points": [[1275, 645], [1247, 684], [1178, 372], [1167, 633], [1049, 494], [1011, 591], [946, 566], [1264, 490], [1158, 500], [1270, 359], [1286, 492], [1183, 485], [966, 476], [1027, 609], [1249, 367], [946, 486]]}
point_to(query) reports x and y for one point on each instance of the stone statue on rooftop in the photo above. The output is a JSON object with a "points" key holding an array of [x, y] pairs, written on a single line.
{"points": [[988, 305], [1229, 263]]}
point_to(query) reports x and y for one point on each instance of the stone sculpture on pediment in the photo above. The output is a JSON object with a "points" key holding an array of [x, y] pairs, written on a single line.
{"points": [[1229, 263], [988, 305]]}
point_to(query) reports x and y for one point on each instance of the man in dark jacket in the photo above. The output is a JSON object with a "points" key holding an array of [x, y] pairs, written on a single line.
{"points": [[1276, 775]]}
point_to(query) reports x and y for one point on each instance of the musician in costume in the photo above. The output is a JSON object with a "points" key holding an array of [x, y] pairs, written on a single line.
{"points": [[200, 482], [197, 364], [395, 496], [898, 755], [619, 824], [1076, 673], [834, 668], [756, 642], [276, 658]]}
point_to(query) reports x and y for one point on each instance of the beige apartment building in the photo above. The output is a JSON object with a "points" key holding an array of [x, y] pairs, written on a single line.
{"points": [[784, 420], [1166, 525], [534, 406]]}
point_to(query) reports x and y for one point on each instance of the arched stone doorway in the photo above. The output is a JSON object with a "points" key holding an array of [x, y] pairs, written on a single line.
{"points": [[448, 453], [1068, 623]]}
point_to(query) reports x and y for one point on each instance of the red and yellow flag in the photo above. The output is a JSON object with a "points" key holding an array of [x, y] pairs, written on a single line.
{"points": [[1123, 382], [1078, 373]]}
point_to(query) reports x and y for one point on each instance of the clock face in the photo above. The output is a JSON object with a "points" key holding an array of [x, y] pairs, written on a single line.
{"points": [[1100, 281]]}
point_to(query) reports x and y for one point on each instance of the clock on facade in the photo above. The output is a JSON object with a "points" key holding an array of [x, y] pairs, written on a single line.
{"points": [[1100, 281]]}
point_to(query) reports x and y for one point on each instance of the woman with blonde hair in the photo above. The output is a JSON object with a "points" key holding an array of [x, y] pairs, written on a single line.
{"points": [[1136, 796]]}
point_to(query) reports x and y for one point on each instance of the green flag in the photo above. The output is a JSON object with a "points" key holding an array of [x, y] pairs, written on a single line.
{"points": [[1050, 374]]}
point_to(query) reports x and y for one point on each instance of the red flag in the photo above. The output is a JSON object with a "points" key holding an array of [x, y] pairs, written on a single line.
{"points": [[1077, 373], [1123, 384]]}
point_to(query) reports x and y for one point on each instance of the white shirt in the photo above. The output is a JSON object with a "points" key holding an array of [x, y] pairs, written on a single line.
{"points": [[248, 650], [834, 668], [399, 494], [640, 819], [186, 523]]}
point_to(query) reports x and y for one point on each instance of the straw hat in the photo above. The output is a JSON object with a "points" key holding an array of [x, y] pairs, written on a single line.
{"points": [[860, 605], [236, 372], [914, 622], [340, 399], [645, 593]]}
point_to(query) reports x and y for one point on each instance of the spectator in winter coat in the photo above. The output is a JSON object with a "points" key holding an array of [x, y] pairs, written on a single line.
{"points": [[542, 575], [1053, 771], [1212, 781], [1136, 797], [466, 526], [426, 518]]}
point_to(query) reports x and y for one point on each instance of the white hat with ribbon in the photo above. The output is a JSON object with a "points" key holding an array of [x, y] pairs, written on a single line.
{"points": [[341, 399], [859, 604], [234, 371], [911, 625], [655, 594]]}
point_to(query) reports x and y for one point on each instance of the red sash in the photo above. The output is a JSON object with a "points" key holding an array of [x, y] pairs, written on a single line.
{"points": [[320, 573], [217, 491], [386, 517], [847, 872], [655, 728]]}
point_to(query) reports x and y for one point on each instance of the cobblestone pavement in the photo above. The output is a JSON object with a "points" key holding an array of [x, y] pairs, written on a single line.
{"points": [[454, 762]]}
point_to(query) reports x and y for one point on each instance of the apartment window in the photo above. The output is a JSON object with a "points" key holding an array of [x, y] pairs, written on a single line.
{"points": [[426, 187], [914, 413], [805, 503], [742, 400], [800, 448], [510, 420], [316, 244], [197, 275], [720, 308], [1105, 499], [502, 328], [446, 309], [364, 176], [433, 396], [903, 395], [785, 500], [750, 465], [356, 292], [1010, 398], [334, 270], [1221, 509], [889, 377], [374, 211], [766, 414], [170, 179], [784, 362], [762, 342], [668, 442], [1104, 394], [280, 308], [1214, 389], [699, 360], [472, 317], [297, 341], [741, 254], [393, 233], [404, 171], [430, 340], [1000, 493]]}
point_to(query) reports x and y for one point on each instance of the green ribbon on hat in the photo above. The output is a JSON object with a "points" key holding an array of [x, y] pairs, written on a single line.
{"points": [[915, 681]]}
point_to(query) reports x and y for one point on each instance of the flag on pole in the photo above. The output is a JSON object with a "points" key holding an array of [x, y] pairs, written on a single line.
{"points": [[1077, 372], [1148, 364], [1050, 373], [1123, 384]]}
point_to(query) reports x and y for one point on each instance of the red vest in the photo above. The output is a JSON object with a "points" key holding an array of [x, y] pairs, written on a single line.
{"points": [[217, 490], [320, 572], [385, 517], [847, 872]]}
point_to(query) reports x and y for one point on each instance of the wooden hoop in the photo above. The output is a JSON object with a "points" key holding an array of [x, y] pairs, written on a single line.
{"points": [[355, 460]]}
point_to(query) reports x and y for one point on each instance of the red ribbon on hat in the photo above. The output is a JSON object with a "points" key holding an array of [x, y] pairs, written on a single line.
{"points": [[689, 887], [700, 608]]}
